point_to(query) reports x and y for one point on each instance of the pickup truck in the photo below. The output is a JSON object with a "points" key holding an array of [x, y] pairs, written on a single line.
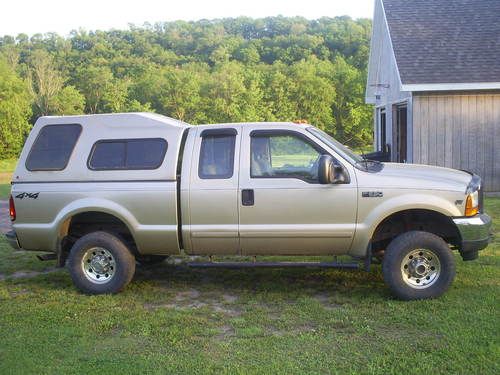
{"points": [[101, 193]]}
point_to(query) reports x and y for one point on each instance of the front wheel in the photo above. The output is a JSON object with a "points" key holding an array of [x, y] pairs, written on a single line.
{"points": [[418, 265], [100, 263]]}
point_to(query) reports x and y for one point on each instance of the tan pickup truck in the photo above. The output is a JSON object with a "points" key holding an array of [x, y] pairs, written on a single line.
{"points": [[102, 192]]}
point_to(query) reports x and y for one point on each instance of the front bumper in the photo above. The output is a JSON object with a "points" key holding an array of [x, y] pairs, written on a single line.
{"points": [[475, 234], [12, 240]]}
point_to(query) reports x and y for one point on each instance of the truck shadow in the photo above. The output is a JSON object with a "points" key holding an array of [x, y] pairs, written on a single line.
{"points": [[268, 280]]}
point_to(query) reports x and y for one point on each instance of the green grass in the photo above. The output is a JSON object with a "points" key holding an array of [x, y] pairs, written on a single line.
{"points": [[175, 320]]}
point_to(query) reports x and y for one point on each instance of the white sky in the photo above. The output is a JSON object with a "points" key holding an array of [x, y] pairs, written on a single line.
{"points": [[62, 16]]}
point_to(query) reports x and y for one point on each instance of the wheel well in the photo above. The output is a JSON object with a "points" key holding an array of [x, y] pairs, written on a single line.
{"points": [[423, 220], [86, 222]]}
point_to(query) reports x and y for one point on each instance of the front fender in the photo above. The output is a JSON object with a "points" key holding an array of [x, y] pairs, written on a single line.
{"points": [[372, 211]]}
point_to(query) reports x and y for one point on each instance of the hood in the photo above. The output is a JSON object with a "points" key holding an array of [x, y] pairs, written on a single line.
{"points": [[417, 176]]}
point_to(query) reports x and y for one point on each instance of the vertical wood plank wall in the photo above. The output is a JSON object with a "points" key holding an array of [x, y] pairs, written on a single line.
{"points": [[460, 131]]}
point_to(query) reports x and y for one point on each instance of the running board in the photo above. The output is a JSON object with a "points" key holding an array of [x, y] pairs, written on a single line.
{"points": [[273, 265]]}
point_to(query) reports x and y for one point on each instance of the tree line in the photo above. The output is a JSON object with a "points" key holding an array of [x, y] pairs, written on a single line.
{"points": [[207, 71]]}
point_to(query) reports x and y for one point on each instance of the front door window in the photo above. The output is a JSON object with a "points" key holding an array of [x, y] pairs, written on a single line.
{"points": [[283, 156]]}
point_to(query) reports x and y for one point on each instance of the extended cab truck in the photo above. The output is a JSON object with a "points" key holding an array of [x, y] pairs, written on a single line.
{"points": [[103, 192]]}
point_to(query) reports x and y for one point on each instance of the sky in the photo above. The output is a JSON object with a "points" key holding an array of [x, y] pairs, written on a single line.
{"points": [[62, 16]]}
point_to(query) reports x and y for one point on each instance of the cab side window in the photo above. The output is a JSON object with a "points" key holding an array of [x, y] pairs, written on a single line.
{"points": [[283, 156], [217, 154]]}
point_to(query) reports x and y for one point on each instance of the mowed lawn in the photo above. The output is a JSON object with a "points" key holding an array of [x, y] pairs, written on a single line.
{"points": [[175, 320]]}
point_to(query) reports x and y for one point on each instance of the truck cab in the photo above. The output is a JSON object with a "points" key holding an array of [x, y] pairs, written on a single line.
{"points": [[102, 192]]}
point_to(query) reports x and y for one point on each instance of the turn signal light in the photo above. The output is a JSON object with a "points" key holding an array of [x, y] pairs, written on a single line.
{"points": [[12, 209], [471, 205]]}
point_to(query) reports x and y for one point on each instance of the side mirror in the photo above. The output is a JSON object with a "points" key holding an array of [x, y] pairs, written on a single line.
{"points": [[330, 171]]}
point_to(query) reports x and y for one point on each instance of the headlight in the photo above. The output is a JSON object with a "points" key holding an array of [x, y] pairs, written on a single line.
{"points": [[472, 202]]}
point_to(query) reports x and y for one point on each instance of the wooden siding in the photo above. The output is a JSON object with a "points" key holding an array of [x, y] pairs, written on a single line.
{"points": [[383, 70], [460, 131], [383, 84]]}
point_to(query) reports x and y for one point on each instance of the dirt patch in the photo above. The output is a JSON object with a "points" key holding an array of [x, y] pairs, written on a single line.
{"points": [[229, 298], [26, 274], [225, 332], [193, 299], [326, 301], [226, 310], [188, 295]]}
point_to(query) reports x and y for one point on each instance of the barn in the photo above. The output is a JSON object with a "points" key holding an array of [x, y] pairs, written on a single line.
{"points": [[434, 81]]}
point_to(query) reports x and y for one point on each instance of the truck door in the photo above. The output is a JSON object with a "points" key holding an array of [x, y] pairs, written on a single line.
{"points": [[213, 192], [283, 208]]}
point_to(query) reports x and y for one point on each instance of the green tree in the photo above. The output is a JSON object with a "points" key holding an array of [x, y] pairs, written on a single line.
{"points": [[233, 94], [45, 82], [69, 101], [353, 118], [15, 111], [312, 94], [95, 82]]}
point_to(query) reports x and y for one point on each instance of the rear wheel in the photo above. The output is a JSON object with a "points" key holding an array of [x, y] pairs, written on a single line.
{"points": [[418, 265], [100, 263]]}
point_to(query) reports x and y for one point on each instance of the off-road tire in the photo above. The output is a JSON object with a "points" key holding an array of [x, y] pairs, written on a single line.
{"points": [[396, 258], [123, 264]]}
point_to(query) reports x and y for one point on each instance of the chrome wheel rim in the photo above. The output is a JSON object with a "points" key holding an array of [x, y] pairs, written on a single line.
{"points": [[98, 265], [420, 268]]}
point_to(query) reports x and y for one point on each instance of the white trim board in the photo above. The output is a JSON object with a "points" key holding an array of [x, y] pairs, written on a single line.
{"points": [[450, 86]]}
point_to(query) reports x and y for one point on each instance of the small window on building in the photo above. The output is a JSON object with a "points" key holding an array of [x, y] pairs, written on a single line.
{"points": [[217, 154], [53, 147], [127, 154]]}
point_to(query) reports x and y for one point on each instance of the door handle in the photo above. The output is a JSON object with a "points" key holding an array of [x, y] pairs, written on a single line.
{"points": [[247, 197]]}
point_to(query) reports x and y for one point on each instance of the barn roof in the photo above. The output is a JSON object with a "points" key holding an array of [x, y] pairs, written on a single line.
{"points": [[445, 42]]}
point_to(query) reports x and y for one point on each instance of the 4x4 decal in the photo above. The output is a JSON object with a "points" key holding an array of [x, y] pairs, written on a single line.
{"points": [[27, 195]]}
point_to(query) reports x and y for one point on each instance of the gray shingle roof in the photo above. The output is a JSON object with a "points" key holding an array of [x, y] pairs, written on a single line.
{"points": [[445, 41]]}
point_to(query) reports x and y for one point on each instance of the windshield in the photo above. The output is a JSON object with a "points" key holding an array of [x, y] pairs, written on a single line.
{"points": [[345, 152]]}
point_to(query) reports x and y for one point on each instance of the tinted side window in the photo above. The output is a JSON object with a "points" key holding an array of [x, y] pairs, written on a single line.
{"points": [[128, 154], [53, 147], [216, 156], [283, 156], [108, 155]]}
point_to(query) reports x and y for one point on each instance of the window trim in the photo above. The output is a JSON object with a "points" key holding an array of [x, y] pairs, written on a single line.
{"points": [[162, 159], [36, 140], [217, 133], [285, 132]]}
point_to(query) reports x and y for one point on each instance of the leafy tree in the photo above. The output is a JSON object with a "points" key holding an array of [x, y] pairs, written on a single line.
{"points": [[45, 82], [69, 101], [312, 94], [350, 113], [15, 111], [95, 82], [277, 98]]}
